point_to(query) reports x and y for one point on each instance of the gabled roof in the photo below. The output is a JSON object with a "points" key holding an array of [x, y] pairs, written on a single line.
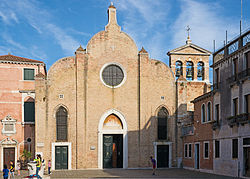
{"points": [[179, 50], [12, 58]]}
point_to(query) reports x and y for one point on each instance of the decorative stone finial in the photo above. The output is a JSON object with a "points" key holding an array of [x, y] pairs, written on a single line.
{"points": [[143, 50], [111, 5], [80, 49], [112, 14], [8, 53]]}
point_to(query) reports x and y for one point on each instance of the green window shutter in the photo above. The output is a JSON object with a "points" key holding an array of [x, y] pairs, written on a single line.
{"points": [[28, 74], [29, 112]]}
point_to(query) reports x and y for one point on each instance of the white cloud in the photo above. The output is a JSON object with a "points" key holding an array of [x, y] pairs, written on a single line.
{"points": [[8, 17], [67, 43], [41, 20], [146, 22], [205, 22]]}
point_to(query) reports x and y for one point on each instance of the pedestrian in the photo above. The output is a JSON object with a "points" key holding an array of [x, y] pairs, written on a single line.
{"points": [[18, 167], [153, 161], [5, 172], [49, 167], [38, 165], [12, 169]]}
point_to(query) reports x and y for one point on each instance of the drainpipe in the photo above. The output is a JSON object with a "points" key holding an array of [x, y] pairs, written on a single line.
{"points": [[176, 128], [139, 105], [76, 108]]}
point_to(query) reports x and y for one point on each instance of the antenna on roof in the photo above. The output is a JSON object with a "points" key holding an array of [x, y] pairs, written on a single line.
{"points": [[241, 18], [214, 45], [226, 37]]}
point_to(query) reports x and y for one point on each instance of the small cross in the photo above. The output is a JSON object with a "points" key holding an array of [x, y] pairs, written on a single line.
{"points": [[188, 29]]}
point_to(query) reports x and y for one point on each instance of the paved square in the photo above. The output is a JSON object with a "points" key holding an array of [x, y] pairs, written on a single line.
{"points": [[133, 173]]}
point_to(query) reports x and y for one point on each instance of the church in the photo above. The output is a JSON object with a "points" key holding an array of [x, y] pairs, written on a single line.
{"points": [[112, 106]]}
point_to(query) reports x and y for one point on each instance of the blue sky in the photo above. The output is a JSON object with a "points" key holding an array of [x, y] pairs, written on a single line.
{"points": [[48, 30]]}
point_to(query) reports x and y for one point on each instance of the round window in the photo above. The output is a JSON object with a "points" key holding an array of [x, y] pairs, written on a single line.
{"points": [[112, 75]]}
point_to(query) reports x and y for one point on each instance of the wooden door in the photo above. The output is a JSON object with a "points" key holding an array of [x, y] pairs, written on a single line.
{"points": [[162, 156], [9, 155], [61, 157]]}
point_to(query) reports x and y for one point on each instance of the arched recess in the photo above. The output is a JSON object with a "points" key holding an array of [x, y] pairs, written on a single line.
{"points": [[104, 131]]}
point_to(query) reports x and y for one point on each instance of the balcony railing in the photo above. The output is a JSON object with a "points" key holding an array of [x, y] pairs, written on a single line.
{"points": [[239, 76], [239, 119]]}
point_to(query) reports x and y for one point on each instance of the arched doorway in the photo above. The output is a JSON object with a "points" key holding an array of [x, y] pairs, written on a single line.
{"points": [[112, 141]]}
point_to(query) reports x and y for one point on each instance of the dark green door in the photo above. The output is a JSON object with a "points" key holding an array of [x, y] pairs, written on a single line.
{"points": [[162, 156], [107, 151], [61, 157]]}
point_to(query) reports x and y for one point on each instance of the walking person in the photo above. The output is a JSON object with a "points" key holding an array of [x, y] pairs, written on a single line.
{"points": [[18, 167], [12, 169], [49, 167], [38, 165], [5, 172], [153, 161]]}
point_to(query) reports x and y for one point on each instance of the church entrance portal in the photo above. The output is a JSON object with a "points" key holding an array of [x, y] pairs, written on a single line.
{"points": [[113, 151]]}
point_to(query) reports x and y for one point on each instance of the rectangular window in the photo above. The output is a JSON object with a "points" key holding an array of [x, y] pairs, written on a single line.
{"points": [[217, 149], [206, 150], [235, 66], [246, 104], [217, 112], [247, 60], [235, 106], [189, 150], [217, 76], [235, 148], [29, 112], [185, 150], [28, 74]]}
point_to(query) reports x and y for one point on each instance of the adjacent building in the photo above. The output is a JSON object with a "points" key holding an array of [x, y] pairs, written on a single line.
{"points": [[231, 107], [17, 106], [197, 135]]}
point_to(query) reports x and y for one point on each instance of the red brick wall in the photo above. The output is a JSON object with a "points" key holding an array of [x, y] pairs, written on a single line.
{"points": [[202, 133]]}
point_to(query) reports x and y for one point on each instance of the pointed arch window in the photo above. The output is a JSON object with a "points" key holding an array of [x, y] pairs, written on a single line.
{"points": [[61, 124], [162, 117], [200, 71], [178, 69], [189, 70]]}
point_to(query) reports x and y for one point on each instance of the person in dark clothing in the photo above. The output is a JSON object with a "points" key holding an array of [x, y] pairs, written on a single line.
{"points": [[5, 172], [153, 161]]}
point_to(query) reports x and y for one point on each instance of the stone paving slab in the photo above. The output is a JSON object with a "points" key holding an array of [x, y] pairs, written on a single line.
{"points": [[133, 173]]}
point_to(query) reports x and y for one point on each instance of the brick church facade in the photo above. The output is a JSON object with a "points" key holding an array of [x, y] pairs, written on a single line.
{"points": [[112, 106]]}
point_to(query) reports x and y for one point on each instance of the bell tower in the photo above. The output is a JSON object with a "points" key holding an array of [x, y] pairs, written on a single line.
{"points": [[190, 64], [190, 61]]}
